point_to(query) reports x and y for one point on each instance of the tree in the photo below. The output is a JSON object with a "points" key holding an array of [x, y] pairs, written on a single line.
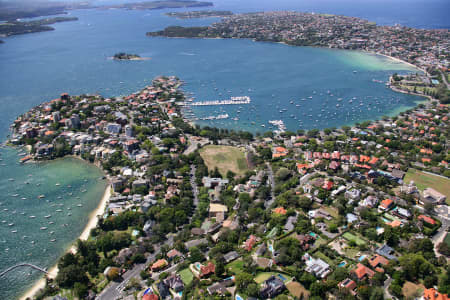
{"points": [[220, 268], [80, 290], [195, 255], [243, 280]]}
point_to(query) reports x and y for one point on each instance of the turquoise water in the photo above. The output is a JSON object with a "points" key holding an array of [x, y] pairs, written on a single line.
{"points": [[24, 241]]}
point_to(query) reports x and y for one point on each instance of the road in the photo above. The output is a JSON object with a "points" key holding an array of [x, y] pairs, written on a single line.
{"points": [[387, 283], [114, 289], [194, 185], [269, 202], [444, 78]]}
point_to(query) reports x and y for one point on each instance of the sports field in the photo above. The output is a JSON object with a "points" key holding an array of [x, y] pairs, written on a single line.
{"points": [[424, 180], [225, 158]]}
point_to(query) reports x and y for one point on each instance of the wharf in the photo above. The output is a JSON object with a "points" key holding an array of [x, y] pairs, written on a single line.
{"points": [[231, 101]]}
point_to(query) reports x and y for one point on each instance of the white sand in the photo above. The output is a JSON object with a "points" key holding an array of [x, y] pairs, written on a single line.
{"points": [[93, 220]]}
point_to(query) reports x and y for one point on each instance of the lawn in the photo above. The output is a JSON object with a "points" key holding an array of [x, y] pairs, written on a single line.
{"points": [[186, 276], [411, 290], [236, 266], [263, 276], [323, 257], [225, 158], [352, 237], [297, 290], [447, 239], [424, 180]]}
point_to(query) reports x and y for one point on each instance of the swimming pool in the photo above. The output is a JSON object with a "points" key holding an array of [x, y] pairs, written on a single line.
{"points": [[238, 297], [282, 277], [342, 264], [362, 257], [313, 234]]}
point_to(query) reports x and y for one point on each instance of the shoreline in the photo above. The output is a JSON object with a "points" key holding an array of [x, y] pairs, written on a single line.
{"points": [[92, 223]]}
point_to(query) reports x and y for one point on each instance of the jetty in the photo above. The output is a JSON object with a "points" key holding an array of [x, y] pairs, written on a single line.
{"points": [[23, 265], [231, 101]]}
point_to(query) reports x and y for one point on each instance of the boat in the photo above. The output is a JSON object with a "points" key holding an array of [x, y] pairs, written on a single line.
{"points": [[53, 240], [11, 224], [43, 228], [48, 216], [57, 184], [14, 231], [58, 210], [50, 223], [79, 205], [32, 217], [41, 196]]}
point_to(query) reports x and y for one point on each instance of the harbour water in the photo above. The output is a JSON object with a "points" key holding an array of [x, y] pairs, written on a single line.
{"points": [[43, 209], [313, 88]]}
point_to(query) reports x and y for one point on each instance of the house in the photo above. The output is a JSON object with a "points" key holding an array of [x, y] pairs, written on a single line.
{"points": [[316, 266], [427, 219], [351, 218], [362, 272], [433, 196], [386, 204], [378, 261], [280, 211], [163, 290], [150, 297], [290, 223], [319, 213], [213, 182], [174, 282], [248, 245], [353, 194], [386, 251], [271, 287], [370, 201], [220, 287], [401, 213], [173, 253], [279, 152], [432, 294], [209, 269], [217, 211], [159, 264], [349, 285], [230, 256], [305, 240]]}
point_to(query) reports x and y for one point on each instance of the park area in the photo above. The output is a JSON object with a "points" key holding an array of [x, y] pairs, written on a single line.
{"points": [[236, 267], [224, 158], [297, 290], [424, 180]]}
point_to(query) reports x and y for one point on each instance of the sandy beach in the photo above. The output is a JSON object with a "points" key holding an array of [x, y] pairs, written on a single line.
{"points": [[93, 220]]}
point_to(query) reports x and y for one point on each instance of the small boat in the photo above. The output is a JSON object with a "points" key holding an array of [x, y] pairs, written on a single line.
{"points": [[59, 210], [57, 184], [41, 196], [32, 217], [14, 231], [11, 224], [50, 223], [43, 228], [79, 205], [53, 240]]}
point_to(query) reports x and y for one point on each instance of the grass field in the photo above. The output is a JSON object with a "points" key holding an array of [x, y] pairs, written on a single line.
{"points": [[447, 239], [186, 276], [424, 180], [263, 276], [297, 290], [236, 266], [411, 290], [352, 237], [225, 158]]}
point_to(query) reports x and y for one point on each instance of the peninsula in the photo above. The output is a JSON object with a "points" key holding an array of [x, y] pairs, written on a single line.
{"points": [[344, 212], [426, 49], [160, 4], [199, 14], [23, 27]]}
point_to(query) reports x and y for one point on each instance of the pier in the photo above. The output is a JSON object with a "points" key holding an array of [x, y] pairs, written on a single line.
{"points": [[231, 101], [22, 265]]}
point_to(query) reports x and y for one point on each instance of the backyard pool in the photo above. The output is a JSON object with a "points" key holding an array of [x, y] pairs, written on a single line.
{"points": [[342, 264], [362, 257]]}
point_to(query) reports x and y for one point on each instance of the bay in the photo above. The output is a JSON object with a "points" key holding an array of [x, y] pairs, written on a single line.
{"points": [[74, 58]]}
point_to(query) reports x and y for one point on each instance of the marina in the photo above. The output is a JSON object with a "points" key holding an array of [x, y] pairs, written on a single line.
{"points": [[231, 101]]}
